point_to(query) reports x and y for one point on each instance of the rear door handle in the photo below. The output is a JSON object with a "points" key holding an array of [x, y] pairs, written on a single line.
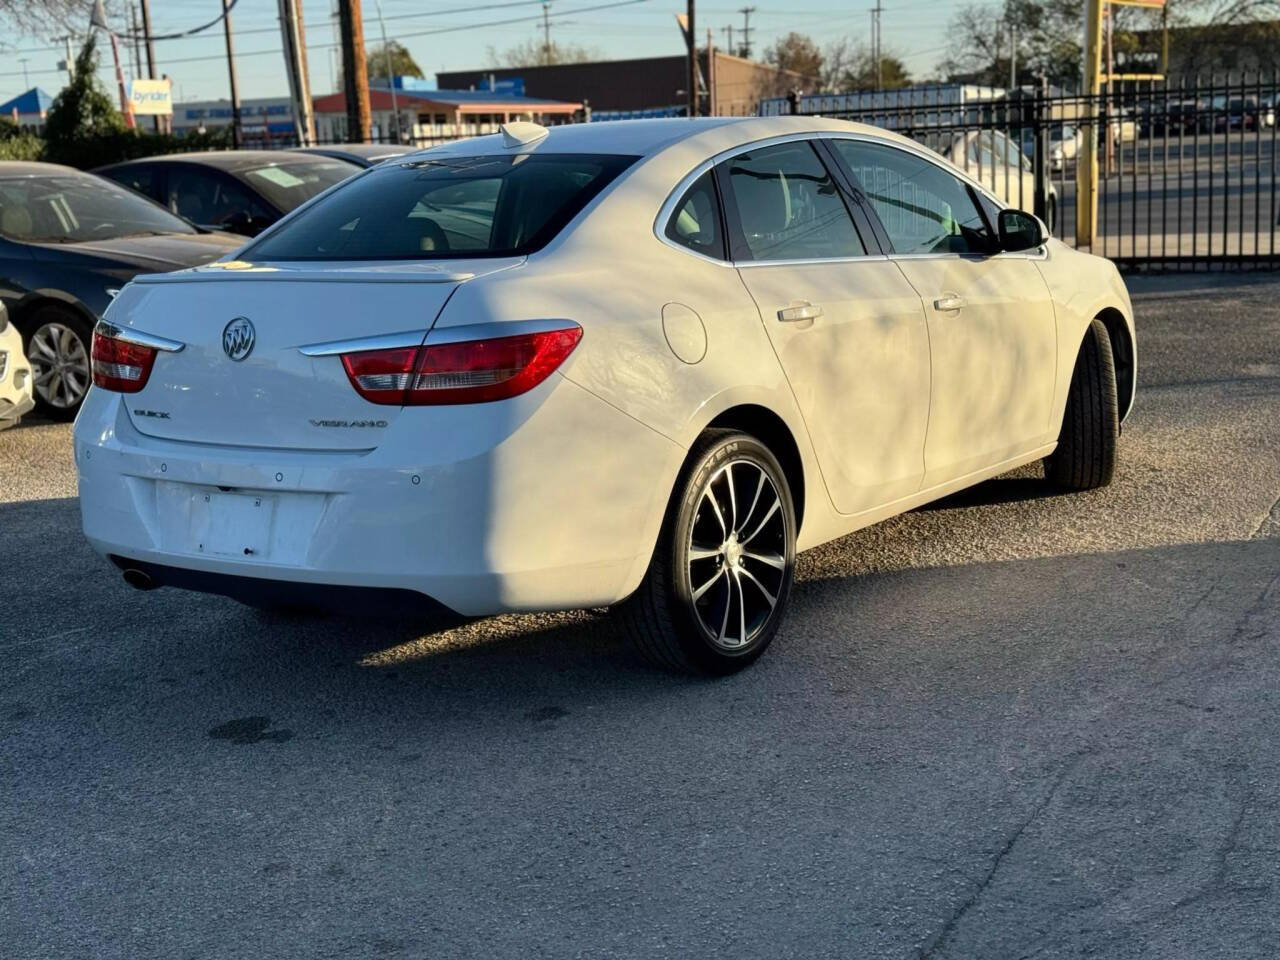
{"points": [[948, 303], [801, 310]]}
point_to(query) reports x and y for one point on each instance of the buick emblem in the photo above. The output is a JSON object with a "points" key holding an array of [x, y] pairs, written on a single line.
{"points": [[237, 338]]}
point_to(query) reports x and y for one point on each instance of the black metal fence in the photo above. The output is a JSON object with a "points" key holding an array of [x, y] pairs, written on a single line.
{"points": [[1187, 170]]}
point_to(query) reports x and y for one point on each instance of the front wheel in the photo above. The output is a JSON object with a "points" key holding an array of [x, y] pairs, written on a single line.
{"points": [[1086, 453], [57, 345], [721, 574]]}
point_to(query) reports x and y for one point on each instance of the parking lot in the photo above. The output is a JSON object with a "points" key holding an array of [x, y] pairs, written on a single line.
{"points": [[1007, 725]]}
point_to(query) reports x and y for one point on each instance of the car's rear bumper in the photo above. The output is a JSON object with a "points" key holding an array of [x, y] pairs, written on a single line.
{"points": [[551, 500], [12, 411]]}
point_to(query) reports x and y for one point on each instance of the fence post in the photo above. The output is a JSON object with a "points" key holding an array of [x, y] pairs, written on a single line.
{"points": [[793, 98], [1040, 150], [1087, 163]]}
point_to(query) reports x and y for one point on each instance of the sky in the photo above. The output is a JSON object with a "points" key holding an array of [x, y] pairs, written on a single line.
{"points": [[456, 35]]}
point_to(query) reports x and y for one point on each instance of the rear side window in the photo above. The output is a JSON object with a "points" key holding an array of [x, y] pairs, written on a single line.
{"points": [[789, 206], [696, 221], [445, 207]]}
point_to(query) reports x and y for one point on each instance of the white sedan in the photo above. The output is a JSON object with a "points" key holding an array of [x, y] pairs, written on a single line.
{"points": [[639, 363]]}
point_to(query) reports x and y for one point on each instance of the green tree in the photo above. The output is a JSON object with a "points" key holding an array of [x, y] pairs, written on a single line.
{"points": [[797, 64], [81, 111], [402, 62]]}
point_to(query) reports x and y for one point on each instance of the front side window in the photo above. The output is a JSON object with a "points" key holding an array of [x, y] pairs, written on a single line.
{"points": [[211, 198], [74, 208], [789, 207], [501, 205], [923, 208], [696, 221]]}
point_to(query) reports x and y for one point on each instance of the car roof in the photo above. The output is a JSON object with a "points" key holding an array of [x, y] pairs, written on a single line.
{"points": [[32, 168], [366, 151], [231, 161], [648, 137]]}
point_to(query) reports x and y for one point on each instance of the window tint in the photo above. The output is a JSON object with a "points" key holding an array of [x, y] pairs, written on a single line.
{"points": [[500, 205], [696, 221], [789, 206], [211, 198], [140, 177], [923, 208], [72, 208]]}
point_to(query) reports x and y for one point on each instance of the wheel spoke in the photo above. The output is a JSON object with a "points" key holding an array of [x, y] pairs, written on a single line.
{"points": [[744, 572], [742, 610], [43, 374], [710, 497], [765, 519], [756, 498], [733, 497], [697, 594], [778, 563], [38, 342], [704, 553], [728, 605]]}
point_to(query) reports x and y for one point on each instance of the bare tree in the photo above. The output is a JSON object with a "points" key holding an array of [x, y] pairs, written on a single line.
{"points": [[533, 53], [37, 17]]}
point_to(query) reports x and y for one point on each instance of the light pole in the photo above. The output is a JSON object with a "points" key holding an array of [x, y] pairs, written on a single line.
{"points": [[391, 76]]}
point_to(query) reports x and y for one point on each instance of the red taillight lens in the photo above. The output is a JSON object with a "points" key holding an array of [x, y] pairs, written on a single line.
{"points": [[472, 371], [119, 365]]}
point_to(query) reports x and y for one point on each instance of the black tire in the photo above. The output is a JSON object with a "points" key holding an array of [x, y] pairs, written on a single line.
{"points": [[54, 399], [1086, 454], [667, 616]]}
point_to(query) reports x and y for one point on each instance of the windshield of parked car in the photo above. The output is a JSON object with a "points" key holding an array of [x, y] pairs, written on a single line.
{"points": [[445, 207], [291, 183], [73, 208]]}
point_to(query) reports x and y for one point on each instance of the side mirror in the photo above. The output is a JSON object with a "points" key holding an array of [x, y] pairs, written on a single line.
{"points": [[1020, 231]]}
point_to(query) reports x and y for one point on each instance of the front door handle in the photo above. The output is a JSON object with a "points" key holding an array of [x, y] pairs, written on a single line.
{"points": [[800, 310], [948, 303]]}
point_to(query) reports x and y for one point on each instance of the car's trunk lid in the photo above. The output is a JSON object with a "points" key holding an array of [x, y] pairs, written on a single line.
{"points": [[275, 396]]}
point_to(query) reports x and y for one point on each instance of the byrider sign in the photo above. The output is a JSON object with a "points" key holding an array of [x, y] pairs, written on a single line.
{"points": [[151, 97]]}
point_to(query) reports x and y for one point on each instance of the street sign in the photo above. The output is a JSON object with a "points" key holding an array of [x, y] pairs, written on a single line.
{"points": [[151, 97]]}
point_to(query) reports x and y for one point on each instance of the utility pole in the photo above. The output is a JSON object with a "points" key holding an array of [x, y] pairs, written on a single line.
{"points": [[137, 40], [691, 36], [1013, 56], [746, 31], [295, 61], [70, 61], [728, 32], [231, 73], [355, 79], [546, 33], [875, 44], [391, 74], [151, 53]]}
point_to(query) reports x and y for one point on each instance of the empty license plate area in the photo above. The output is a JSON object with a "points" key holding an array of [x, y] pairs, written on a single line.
{"points": [[232, 524]]}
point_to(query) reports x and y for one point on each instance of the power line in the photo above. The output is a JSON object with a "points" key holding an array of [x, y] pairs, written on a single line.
{"points": [[405, 36], [746, 30]]}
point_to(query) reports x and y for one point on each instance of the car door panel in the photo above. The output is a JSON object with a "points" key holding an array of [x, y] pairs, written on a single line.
{"points": [[848, 330], [991, 325]]}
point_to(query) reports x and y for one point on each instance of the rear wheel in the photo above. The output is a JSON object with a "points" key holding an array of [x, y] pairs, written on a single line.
{"points": [[720, 579], [57, 342], [1086, 454]]}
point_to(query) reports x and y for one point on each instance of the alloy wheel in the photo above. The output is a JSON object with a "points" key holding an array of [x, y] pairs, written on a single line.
{"points": [[59, 365], [737, 556]]}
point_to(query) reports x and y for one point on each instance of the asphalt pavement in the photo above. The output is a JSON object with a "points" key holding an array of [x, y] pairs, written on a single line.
{"points": [[1009, 725]]}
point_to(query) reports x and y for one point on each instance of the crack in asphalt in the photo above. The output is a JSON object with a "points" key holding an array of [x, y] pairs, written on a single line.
{"points": [[1270, 518], [940, 938]]}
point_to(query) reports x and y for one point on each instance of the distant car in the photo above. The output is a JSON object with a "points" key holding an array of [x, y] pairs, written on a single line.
{"points": [[68, 241], [237, 191], [999, 164], [15, 374], [361, 154]]}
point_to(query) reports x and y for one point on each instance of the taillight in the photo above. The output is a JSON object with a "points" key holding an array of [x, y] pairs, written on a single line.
{"points": [[471, 371], [119, 365]]}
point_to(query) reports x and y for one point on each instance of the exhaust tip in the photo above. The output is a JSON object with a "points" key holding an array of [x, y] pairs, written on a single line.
{"points": [[138, 579]]}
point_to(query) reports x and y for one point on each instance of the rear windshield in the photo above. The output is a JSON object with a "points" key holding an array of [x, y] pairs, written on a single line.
{"points": [[446, 207]]}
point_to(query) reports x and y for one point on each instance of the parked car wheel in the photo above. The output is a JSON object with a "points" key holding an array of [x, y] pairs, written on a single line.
{"points": [[1086, 454], [720, 579], [57, 343]]}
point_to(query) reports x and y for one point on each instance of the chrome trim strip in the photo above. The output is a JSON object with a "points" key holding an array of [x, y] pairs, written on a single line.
{"points": [[137, 337], [386, 341], [747, 264], [494, 330]]}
